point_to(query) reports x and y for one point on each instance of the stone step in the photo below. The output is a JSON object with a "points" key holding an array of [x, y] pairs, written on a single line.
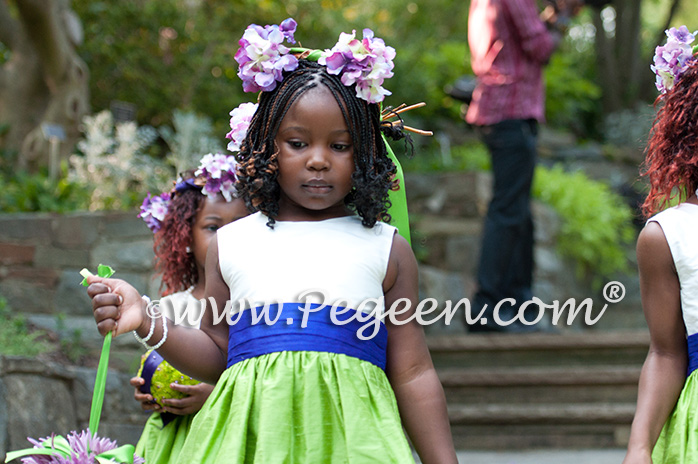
{"points": [[586, 348], [497, 426], [559, 385]]}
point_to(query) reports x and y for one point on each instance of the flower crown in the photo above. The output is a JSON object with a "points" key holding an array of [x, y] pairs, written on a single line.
{"points": [[216, 174], [263, 58], [672, 59]]}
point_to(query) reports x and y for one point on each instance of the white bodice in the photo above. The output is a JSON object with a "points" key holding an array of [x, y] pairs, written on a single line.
{"points": [[337, 260], [680, 226]]}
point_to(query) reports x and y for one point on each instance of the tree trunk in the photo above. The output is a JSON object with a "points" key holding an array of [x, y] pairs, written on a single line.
{"points": [[44, 81]]}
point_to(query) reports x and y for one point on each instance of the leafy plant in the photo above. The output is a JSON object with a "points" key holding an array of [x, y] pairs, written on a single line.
{"points": [[23, 192], [15, 337], [596, 224], [191, 139], [114, 164]]}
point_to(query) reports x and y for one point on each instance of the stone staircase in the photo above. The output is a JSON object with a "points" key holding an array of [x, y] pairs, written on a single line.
{"points": [[574, 390]]}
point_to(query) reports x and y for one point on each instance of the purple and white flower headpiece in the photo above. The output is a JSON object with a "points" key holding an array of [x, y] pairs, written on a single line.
{"points": [[262, 58], [154, 210], [240, 119], [220, 173], [216, 174], [672, 59]]}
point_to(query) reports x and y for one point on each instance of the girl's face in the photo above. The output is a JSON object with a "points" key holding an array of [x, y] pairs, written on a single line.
{"points": [[316, 158], [212, 215]]}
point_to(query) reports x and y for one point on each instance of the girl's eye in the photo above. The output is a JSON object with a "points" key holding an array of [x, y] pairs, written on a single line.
{"points": [[296, 144], [212, 227], [341, 147]]}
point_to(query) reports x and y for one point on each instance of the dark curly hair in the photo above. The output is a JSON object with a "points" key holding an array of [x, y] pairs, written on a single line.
{"points": [[671, 161], [172, 262], [374, 172]]}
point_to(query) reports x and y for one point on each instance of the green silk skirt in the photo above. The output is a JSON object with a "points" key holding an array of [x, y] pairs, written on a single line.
{"points": [[299, 407], [161, 445], [678, 441]]}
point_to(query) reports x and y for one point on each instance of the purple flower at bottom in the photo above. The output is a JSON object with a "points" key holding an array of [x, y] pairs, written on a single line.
{"points": [[84, 447]]}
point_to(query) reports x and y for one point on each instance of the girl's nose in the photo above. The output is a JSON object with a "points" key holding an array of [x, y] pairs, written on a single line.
{"points": [[318, 159]]}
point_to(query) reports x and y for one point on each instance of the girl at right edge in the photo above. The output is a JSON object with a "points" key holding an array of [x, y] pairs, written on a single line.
{"points": [[665, 427], [316, 169]]}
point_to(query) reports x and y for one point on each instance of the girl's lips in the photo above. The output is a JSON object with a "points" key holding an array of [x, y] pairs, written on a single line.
{"points": [[317, 186]]}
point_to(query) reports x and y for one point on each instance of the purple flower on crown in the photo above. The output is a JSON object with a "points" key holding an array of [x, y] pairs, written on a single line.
{"points": [[240, 119], [367, 63], [263, 58], [219, 170], [154, 210], [672, 59]]}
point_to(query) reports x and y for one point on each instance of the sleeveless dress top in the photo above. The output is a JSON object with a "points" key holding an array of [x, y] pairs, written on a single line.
{"points": [[307, 384], [678, 441], [164, 434]]}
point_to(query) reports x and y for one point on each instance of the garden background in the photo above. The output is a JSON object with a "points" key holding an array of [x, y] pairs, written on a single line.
{"points": [[102, 102]]}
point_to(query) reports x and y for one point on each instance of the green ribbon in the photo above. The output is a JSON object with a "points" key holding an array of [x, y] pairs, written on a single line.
{"points": [[58, 445]]}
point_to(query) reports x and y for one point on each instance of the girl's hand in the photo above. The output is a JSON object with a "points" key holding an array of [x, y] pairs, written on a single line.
{"points": [[198, 394], [117, 306], [146, 400]]}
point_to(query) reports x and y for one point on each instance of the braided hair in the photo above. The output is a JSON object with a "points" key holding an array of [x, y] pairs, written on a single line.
{"points": [[671, 161], [373, 173]]}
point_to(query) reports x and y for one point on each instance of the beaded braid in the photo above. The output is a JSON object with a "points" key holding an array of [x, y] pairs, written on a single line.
{"points": [[373, 170]]}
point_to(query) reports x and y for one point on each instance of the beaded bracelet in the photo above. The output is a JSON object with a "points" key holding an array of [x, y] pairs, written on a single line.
{"points": [[164, 334], [152, 327]]}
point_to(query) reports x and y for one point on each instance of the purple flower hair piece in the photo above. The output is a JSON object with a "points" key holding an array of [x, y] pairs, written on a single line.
{"points": [[154, 210], [672, 59], [366, 63], [240, 119], [219, 171], [263, 58]]}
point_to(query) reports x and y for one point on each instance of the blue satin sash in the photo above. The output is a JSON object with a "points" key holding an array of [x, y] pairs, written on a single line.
{"points": [[249, 338], [692, 342]]}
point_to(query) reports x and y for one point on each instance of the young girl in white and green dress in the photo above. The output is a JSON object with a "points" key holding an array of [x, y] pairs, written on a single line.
{"points": [[665, 427], [325, 377]]}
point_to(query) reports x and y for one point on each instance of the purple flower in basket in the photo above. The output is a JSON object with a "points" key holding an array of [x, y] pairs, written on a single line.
{"points": [[672, 59], [76, 448], [263, 58], [240, 119], [154, 210], [220, 173], [366, 63]]}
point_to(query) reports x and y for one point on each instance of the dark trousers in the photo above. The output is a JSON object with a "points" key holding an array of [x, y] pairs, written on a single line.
{"points": [[506, 261]]}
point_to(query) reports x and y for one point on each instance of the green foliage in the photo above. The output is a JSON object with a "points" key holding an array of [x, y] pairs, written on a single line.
{"points": [[467, 157], [114, 165], [596, 224], [572, 100], [15, 338], [191, 139], [179, 54], [23, 192]]}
